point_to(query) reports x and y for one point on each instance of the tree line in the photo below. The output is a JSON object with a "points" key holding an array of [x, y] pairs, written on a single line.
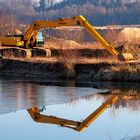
{"points": [[101, 12]]}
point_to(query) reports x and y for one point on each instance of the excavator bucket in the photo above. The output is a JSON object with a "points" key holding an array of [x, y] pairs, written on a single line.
{"points": [[126, 57]]}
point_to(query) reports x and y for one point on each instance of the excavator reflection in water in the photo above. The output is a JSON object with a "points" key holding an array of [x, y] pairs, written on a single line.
{"points": [[76, 125]]}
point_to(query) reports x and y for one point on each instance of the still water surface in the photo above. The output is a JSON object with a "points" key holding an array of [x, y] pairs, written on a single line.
{"points": [[119, 122]]}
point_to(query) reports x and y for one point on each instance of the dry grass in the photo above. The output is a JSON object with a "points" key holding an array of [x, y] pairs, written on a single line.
{"points": [[126, 68], [80, 60], [125, 72]]}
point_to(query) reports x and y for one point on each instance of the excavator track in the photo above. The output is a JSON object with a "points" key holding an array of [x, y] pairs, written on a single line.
{"points": [[15, 52], [41, 52]]}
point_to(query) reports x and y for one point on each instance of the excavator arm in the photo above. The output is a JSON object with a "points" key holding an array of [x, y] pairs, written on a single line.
{"points": [[76, 125], [31, 33]]}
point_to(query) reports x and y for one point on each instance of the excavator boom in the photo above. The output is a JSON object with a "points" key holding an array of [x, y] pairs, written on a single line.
{"points": [[76, 20]]}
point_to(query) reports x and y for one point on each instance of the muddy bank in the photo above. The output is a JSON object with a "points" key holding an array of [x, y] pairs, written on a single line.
{"points": [[80, 72], [31, 69]]}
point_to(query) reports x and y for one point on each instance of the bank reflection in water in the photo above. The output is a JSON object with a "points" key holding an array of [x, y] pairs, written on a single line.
{"points": [[17, 95]]}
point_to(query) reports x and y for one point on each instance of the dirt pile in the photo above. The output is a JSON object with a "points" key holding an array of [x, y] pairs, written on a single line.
{"points": [[129, 35], [58, 43], [129, 40]]}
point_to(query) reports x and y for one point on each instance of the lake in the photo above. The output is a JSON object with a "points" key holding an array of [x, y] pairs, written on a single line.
{"points": [[70, 101]]}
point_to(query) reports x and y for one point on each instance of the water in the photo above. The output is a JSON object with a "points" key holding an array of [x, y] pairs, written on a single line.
{"points": [[65, 100]]}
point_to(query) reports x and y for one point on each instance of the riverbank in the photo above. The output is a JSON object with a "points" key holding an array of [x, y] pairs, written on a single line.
{"points": [[99, 71]]}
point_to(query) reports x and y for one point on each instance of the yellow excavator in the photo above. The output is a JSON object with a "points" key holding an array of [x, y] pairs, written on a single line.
{"points": [[76, 125], [25, 45]]}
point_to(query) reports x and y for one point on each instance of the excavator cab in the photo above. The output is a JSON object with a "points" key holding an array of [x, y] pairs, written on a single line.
{"points": [[40, 39]]}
